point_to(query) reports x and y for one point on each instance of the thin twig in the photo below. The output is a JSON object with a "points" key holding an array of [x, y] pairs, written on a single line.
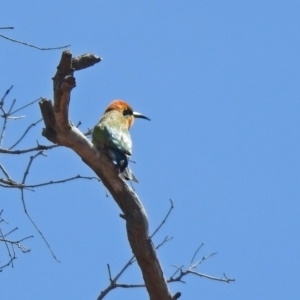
{"points": [[7, 27], [8, 251], [193, 266], [38, 185], [225, 279], [165, 240], [164, 220], [61, 181], [10, 244], [5, 115], [26, 105], [32, 46], [127, 286], [36, 227], [7, 264], [24, 134], [10, 232], [177, 270], [183, 273], [11, 107], [196, 253], [4, 96], [1, 219], [109, 273], [37, 148], [12, 184], [29, 164], [24, 206], [4, 171], [14, 242], [15, 118]]}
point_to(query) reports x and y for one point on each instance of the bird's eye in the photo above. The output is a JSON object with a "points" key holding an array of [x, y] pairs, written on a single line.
{"points": [[127, 112]]}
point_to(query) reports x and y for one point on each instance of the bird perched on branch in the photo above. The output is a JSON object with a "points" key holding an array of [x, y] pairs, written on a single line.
{"points": [[112, 133]]}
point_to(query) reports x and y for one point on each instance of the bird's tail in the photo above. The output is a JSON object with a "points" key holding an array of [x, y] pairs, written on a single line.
{"points": [[128, 175], [122, 162]]}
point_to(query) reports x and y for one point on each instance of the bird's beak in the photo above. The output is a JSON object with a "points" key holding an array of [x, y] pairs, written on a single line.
{"points": [[138, 115]]}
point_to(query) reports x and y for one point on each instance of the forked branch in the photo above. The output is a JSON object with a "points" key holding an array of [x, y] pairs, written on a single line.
{"points": [[10, 245], [8, 182], [60, 130]]}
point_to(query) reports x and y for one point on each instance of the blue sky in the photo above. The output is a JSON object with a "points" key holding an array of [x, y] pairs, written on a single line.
{"points": [[220, 82]]}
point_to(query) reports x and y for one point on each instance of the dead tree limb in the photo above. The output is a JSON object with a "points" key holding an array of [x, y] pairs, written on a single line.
{"points": [[60, 130]]}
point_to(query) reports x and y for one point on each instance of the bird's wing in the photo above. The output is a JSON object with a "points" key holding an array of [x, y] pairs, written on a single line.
{"points": [[119, 139], [116, 138]]}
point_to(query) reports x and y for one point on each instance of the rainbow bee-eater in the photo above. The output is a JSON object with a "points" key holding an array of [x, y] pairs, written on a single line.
{"points": [[112, 133]]}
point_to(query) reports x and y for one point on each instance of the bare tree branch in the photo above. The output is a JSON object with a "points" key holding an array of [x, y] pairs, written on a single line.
{"points": [[4, 96], [29, 165], [113, 281], [24, 205], [193, 266], [164, 220], [180, 270], [165, 240], [36, 227], [7, 27], [37, 148], [26, 105], [5, 116], [32, 46], [12, 184], [24, 249], [10, 245], [4, 171], [60, 130], [24, 134], [196, 252]]}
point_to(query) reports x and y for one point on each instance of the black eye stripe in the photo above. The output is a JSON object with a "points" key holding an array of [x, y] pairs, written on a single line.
{"points": [[127, 111]]}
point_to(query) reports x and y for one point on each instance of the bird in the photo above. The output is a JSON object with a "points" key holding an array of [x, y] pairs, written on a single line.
{"points": [[112, 133]]}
